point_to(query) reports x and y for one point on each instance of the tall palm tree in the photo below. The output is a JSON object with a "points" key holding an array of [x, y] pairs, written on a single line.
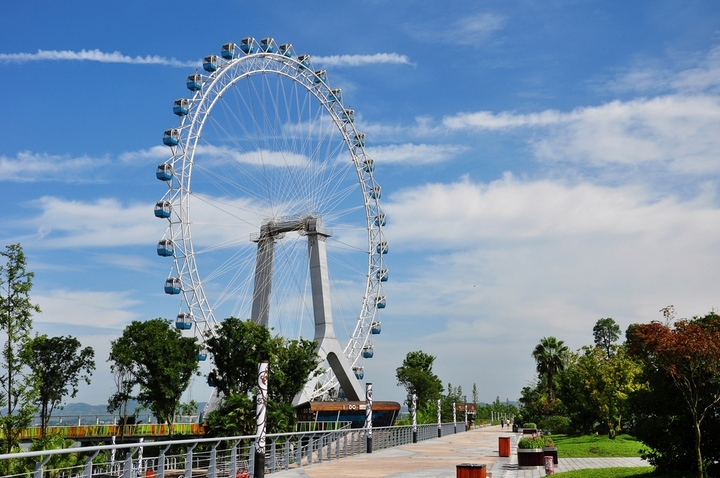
{"points": [[550, 356]]}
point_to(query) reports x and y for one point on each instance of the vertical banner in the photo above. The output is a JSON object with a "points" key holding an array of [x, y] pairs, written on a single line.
{"points": [[413, 410], [439, 417], [368, 417], [466, 422], [259, 468], [454, 418]]}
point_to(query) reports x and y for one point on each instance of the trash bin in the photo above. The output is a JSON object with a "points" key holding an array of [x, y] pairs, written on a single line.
{"points": [[504, 446], [549, 465], [470, 470]]}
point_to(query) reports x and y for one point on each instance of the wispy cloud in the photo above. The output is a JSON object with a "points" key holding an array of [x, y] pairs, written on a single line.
{"points": [[654, 76], [93, 55], [89, 308], [471, 30], [104, 222], [416, 153], [361, 60], [118, 57], [677, 130], [37, 167], [155, 153]]}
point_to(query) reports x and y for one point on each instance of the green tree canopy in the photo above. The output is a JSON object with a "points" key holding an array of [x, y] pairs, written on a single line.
{"points": [[236, 349], [606, 332], [161, 361], [416, 375], [58, 365], [16, 311], [550, 356], [607, 381]]}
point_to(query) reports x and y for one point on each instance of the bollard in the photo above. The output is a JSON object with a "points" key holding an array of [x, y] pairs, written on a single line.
{"points": [[470, 470], [504, 446], [549, 465]]}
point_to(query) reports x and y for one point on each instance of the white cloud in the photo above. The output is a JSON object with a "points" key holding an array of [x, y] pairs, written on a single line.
{"points": [[104, 222], [361, 60], [472, 29], [257, 158], [486, 120], [415, 153], [478, 27], [509, 209], [93, 55], [38, 167], [676, 130], [160, 153], [86, 308], [702, 76]]}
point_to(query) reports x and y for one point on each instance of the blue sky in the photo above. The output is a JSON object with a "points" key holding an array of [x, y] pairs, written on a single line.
{"points": [[543, 164]]}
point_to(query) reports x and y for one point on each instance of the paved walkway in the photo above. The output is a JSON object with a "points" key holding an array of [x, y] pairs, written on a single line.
{"points": [[438, 458]]}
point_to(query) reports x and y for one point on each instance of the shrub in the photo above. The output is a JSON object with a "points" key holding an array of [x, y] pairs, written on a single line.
{"points": [[532, 442], [556, 424], [529, 425]]}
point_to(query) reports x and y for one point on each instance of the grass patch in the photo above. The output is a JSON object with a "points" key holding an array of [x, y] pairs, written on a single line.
{"points": [[595, 446], [640, 472], [624, 472]]}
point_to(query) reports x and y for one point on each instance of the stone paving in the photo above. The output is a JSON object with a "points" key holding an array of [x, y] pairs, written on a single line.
{"points": [[439, 457]]}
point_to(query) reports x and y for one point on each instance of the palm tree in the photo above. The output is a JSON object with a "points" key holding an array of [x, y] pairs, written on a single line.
{"points": [[550, 356]]}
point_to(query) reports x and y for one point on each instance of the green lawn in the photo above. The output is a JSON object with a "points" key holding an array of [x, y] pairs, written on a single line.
{"points": [[589, 446], [642, 471]]}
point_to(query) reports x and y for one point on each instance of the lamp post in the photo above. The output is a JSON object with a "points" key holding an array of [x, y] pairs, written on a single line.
{"points": [[413, 411], [439, 418], [259, 468], [368, 417]]}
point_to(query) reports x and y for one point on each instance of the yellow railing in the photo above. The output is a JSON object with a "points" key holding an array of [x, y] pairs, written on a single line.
{"points": [[104, 431]]}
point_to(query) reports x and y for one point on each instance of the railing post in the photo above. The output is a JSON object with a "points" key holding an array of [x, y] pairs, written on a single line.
{"points": [[273, 458], [368, 417], [161, 462], [212, 469], [188, 460]]}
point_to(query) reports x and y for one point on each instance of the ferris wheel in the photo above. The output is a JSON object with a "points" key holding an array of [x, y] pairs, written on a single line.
{"points": [[272, 209]]}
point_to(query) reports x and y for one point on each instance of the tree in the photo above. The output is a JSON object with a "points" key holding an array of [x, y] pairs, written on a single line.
{"points": [[550, 355], [16, 311], [607, 380], [606, 332], [161, 361], [688, 354], [236, 349], [240, 345], [416, 375], [57, 366]]}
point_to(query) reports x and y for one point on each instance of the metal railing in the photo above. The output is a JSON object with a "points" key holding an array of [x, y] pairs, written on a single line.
{"points": [[208, 457]]}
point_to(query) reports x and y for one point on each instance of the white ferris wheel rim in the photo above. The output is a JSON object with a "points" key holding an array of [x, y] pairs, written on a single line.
{"points": [[216, 86]]}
